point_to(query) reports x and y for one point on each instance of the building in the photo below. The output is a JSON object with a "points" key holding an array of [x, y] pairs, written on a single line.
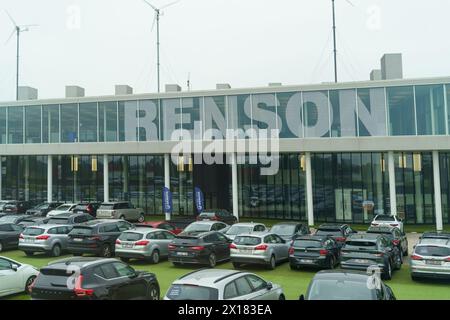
{"points": [[346, 150]]}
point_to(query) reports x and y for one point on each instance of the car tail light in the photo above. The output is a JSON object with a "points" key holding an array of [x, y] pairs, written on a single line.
{"points": [[416, 257], [142, 243], [323, 252], [395, 242], [291, 250], [94, 238], [340, 239], [262, 247], [215, 218], [118, 241], [79, 290], [374, 224], [380, 254], [393, 224], [198, 248], [233, 246], [21, 236], [44, 237], [172, 247], [90, 209], [447, 259]]}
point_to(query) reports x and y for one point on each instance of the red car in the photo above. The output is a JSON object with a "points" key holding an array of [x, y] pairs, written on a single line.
{"points": [[164, 225]]}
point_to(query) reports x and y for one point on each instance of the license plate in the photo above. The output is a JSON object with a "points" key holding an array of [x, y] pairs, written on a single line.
{"points": [[434, 262], [77, 239], [361, 261], [245, 251], [128, 246], [182, 253], [29, 240], [306, 261]]}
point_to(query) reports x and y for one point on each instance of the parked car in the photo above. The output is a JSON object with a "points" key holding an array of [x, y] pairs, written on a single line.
{"points": [[389, 220], [62, 209], [120, 210], [70, 218], [244, 228], [314, 251], [15, 219], [263, 248], [345, 285], [434, 237], [96, 279], [144, 243], [32, 221], [15, 277], [2, 205], [199, 227], [216, 284], [165, 225], [364, 250], [51, 239], [87, 207], [218, 215], [339, 232], [9, 236], [431, 260], [96, 237], [397, 237], [43, 208], [17, 207], [290, 230], [207, 248]]}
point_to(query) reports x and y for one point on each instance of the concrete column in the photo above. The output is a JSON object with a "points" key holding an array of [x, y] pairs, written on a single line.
{"points": [[234, 185], [105, 178], [437, 191], [167, 177], [392, 186], [49, 178], [309, 190]]}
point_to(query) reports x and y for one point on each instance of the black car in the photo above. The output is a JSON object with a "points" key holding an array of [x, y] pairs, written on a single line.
{"points": [[87, 207], [338, 232], [364, 251], [96, 237], [290, 230], [95, 279], [16, 219], [397, 237], [344, 285], [70, 218], [9, 236], [33, 220], [217, 215], [43, 208], [205, 249], [314, 251], [17, 207]]}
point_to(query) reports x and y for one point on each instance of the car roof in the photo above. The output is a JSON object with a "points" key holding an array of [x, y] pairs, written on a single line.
{"points": [[358, 276], [436, 234], [258, 234], [293, 223], [97, 222], [49, 226], [329, 226], [78, 261], [208, 277], [364, 236], [248, 224], [312, 237], [143, 230], [207, 222], [382, 228], [443, 244]]}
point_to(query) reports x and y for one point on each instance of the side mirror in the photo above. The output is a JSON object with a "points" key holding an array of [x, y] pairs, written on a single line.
{"points": [[133, 276], [269, 286], [302, 297], [15, 267]]}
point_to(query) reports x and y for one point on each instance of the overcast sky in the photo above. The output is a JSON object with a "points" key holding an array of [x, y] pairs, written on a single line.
{"points": [[99, 43]]}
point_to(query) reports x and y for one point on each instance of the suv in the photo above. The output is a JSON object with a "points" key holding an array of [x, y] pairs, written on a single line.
{"points": [[9, 236], [51, 239], [290, 230], [364, 251], [96, 237], [398, 237], [95, 279], [314, 251], [216, 284], [33, 221], [339, 232], [68, 218], [17, 207], [196, 228], [120, 210], [87, 207], [217, 215], [43, 208]]}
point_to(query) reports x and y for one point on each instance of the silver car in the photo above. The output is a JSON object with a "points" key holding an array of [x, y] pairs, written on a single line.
{"points": [[51, 239], [431, 260], [144, 243], [120, 210], [262, 248], [217, 284], [244, 228], [198, 227]]}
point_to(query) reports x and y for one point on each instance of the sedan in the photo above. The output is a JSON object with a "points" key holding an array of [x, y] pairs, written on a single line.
{"points": [[397, 237], [62, 209], [199, 227], [244, 228], [15, 277], [264, 248]]}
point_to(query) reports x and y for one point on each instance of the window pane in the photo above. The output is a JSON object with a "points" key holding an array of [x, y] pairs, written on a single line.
{"points": [[190, 114], [401, 111], [69, 122], [15, 125], [2, 125], [430, 106], [215, 117], [33, 124], [50, 124], [290, 121], [171, 110], [107, 121], [264, 112], [148, 120], [316, 114], [239, 113], [128, 121], [372, 112], [88, 122], [343, 105]]}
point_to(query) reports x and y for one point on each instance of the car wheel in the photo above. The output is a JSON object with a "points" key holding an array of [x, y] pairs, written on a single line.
{"points": [[154, 257], [122, 217], [124, 259], [272, 263], [29, 282], [29, 253], [387, 274], [141, 218], [153, 292], [281, 297], [293, 267], [212, 260], [414, 278], [106, 251], [56, 250], [236, 265]]}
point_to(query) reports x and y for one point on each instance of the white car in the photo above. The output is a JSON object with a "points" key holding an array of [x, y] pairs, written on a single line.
{"points": [[15, 277], [387, 220], [62, 209]]}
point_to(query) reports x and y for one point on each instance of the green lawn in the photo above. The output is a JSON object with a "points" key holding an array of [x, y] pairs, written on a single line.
{"points": [[293, 282]]}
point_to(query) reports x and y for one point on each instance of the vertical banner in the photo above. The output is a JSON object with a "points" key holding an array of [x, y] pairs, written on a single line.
{"points": [[199, 200], [167, 202]]}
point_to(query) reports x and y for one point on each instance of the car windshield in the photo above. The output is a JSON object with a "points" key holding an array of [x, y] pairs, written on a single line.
{"points": [[10, 206], [384, 218], [433, 251], [42, 206], [247, 241], [283, 229], [234, 230], [81, 207], [82, 231], [64, 207], [58, 221], [328, 232], [207, 214], [193, 227], [433, 241], [33, 231], [307, 244], [107, 206], [192, 292], [131, 236], [325, 289], [8, 219]]}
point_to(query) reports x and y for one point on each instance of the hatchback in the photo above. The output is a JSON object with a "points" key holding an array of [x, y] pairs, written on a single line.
{"points": [[9, 236], [314, 251], [51, 239]]}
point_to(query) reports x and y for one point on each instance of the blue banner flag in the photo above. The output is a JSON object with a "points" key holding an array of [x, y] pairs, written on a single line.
{"points": [[167, 200], [199, 199]]}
